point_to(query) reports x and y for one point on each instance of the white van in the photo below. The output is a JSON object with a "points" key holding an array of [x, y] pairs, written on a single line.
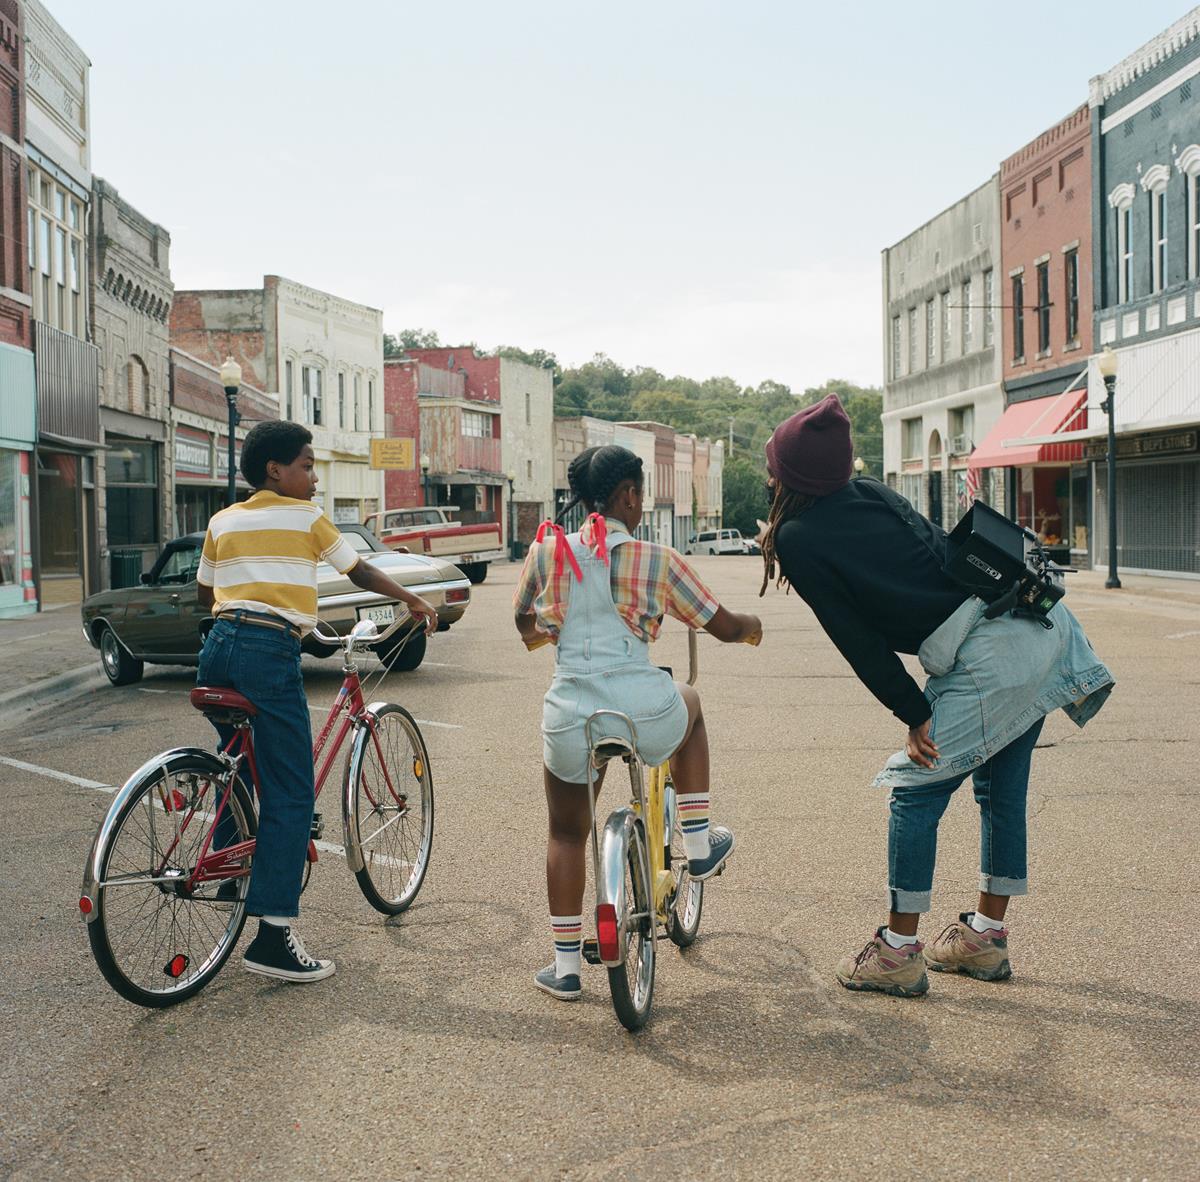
{"points": [[717, 541]]}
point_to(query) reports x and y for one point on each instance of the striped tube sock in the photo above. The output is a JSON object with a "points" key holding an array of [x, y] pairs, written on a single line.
{"points": [[568, 939], [693, 820]]}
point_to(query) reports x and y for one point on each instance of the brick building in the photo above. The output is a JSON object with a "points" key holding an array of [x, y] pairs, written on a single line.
{"points": [[131, 294], [402, 487], [18, 406], [320, 354], [1046, 332]]}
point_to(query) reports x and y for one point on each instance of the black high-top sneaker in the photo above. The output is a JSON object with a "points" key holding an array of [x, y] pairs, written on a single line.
{"points": [[279, 952]]}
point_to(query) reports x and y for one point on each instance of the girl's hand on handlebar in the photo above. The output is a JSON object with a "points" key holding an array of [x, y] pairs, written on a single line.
{"points": [[920, 748]]}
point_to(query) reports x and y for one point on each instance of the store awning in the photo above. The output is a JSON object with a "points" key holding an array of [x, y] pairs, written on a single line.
{"points": [[1004, 445]]}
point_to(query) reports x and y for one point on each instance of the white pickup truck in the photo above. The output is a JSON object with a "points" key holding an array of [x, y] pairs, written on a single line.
{"points": [[430, 530]]}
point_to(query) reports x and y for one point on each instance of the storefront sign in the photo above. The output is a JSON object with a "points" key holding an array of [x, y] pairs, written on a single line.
{"points": [[394, 454], [193, 453], [1176, 443]]}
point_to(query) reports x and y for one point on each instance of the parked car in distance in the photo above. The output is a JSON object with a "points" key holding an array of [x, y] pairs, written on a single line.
{"points": [[717, 541], [432, 530], [161, 622]]}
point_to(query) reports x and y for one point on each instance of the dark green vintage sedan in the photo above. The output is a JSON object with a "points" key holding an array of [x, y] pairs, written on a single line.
{"points": [[160, 622]]}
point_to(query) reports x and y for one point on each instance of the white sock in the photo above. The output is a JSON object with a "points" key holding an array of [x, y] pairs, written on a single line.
{"points": [[279, 921], [898, 941], [693, 820], [568, 940], [981, 923]]}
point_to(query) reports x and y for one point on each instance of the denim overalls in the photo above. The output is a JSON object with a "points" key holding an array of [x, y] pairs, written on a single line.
{"points": [[601, 665]]}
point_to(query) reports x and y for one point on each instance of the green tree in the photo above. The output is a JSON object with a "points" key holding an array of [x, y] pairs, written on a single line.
{"points": [[744, 498], [409, 338], [541, 358]]}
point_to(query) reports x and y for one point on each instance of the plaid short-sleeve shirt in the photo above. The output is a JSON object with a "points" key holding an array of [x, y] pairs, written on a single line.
{"points": [[648, 582]]}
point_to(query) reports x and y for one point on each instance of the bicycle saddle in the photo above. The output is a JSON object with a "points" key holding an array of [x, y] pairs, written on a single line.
{"points": [[222, 704], [610, 749]]}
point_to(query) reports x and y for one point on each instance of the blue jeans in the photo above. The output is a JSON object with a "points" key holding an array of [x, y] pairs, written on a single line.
{"points": [[263, 664], [1001, 785]]}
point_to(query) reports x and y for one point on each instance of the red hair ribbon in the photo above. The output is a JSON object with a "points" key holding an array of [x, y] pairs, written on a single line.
{"points": [[562, 548], [599, 535]]}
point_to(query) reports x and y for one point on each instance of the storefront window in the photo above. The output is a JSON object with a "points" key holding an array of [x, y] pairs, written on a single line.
{"points": [[132, 468], [58, 513], [1080, 509], [10, 498]]}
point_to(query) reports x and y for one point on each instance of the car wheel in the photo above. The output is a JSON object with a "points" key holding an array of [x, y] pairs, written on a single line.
{"points": [[120, 667], [408, 657], [475, 571]]}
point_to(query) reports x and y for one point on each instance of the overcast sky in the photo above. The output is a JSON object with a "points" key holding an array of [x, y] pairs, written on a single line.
{"points": [[699, 187]]}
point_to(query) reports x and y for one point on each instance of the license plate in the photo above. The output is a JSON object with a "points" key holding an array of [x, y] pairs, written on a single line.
{"points": [[381, 615]]}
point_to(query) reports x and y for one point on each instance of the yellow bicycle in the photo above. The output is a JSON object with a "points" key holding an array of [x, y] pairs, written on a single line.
{"points": [[641, 870]]}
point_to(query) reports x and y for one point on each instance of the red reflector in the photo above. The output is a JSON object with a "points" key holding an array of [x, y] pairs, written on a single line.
{"points": [[458, 595], [176, 966], [175, 802], [85, 905], [606, 932]]}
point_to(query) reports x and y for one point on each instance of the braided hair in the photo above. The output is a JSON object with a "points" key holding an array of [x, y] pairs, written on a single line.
{"points": [[596, 473], [785, 504]]}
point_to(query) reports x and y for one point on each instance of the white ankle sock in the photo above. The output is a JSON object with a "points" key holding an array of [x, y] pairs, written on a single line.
{"points": [[898, 941], [693, 820], [982, 923], [568, 940], [279, 921]]}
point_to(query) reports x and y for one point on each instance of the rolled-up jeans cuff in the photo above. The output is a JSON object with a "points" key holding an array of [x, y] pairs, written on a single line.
{"points": [[991, 884], [909, 901]]}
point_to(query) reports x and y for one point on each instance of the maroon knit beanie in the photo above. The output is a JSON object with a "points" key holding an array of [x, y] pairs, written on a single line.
{"points": [[811, 452]]}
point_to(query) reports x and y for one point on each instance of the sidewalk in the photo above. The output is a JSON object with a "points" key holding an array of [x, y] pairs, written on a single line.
{"points": [[43, 657]]}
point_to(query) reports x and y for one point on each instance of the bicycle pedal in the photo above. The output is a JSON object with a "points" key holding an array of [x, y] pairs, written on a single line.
{"points": [[318, 827], [591, 951]]}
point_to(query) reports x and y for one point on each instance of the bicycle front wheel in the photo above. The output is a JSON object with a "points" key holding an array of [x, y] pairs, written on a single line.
{"points": [[388, 808], [632, 982], [157, 937]]}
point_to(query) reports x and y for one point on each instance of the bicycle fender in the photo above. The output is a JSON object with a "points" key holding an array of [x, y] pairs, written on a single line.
{"points": [[157, 763], [614, 853]]}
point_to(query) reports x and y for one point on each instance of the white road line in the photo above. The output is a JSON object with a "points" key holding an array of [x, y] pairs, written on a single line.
{"points": [[31, 636], [48, 771], [443, 665], [145, 689], [1181, 635]]}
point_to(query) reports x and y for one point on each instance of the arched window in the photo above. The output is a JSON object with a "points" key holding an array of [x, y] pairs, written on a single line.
{"points": [[1121, 200], [1188, 163], [137, 381], [1154, 182]]}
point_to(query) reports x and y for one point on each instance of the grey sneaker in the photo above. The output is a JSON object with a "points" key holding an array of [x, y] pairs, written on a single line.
{"points": [[720, 846], [564, 988], [961, 949], [880, 968]]}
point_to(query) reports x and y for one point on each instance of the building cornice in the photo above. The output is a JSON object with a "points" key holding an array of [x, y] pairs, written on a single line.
{"points": [[1169, 42], [1076, 126]]}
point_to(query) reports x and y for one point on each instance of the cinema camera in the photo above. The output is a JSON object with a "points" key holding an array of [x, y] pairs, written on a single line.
{"points": [[1004, 564]]}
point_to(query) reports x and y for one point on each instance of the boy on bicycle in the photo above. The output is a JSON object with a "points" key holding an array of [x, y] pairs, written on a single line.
{"points": [[600, 597], [258, 574]]}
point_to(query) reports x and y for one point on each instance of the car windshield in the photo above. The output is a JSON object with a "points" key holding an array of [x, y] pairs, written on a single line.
{"points": [[181, 565], [360, 544]]}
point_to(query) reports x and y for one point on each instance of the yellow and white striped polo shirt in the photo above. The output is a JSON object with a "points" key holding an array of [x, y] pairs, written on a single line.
{"points": [[262, 555]]}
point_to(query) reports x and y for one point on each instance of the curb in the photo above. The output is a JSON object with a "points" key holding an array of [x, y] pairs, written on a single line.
{"points": [[18, 704]]}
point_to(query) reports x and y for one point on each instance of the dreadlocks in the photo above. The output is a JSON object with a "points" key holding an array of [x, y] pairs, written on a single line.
{"points": [[785, 505]]}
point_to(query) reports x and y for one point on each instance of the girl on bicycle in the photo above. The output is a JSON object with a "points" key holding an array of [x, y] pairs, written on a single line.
{"points": [[871, 569], [599, 596]]}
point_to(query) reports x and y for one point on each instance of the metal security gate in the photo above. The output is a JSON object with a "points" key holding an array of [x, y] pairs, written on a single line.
{"points": [[1158, 516]]}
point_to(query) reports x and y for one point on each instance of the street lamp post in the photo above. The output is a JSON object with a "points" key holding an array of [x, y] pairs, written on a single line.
{"points": [[512, 541], [1108, 371], [425, 475], [231, 380], [859, 465]]}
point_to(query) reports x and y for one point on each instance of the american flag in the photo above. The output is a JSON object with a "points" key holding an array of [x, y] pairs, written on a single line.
{"points": [[972, 485]]}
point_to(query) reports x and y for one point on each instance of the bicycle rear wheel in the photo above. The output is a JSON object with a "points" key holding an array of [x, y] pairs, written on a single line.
{"points": [[157, 940], [687, 899], [388, 809], [632, 982]]}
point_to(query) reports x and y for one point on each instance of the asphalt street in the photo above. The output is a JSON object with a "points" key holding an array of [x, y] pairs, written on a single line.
{"points": [[431, 1054]]}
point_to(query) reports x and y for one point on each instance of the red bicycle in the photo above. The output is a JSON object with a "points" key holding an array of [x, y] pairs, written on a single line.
{"points": [[164, 902]]}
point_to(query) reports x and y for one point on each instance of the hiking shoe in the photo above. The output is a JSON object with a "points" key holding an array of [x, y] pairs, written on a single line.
{"points": [[880, 968], [720, 846], [564, 988], [279, 952], [961, 949]]}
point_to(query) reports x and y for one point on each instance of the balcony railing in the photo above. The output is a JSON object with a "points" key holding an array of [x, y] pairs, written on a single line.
{"points": [[478, 455]]}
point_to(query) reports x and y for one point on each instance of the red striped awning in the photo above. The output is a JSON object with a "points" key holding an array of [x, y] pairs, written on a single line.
{"points": [[1033, 420]]}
